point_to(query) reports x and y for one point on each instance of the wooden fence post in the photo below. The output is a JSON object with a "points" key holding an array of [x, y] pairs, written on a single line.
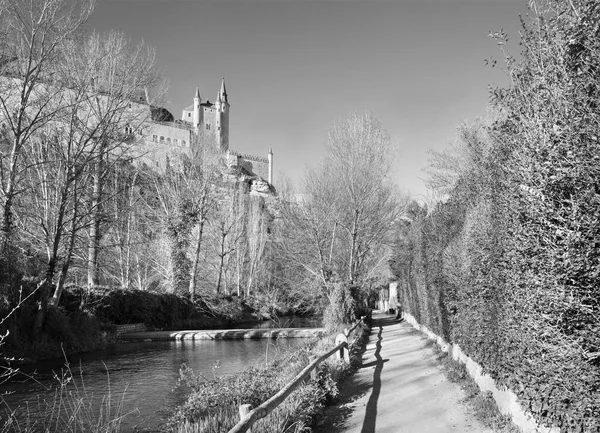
{"points": [[313, 374], [244, 409], [343, 353]]}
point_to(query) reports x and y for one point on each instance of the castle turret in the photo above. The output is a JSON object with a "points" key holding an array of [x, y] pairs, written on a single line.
{"points": [[223, 92], [218, 102], [222, 109], [197, 113], [270, 159]]}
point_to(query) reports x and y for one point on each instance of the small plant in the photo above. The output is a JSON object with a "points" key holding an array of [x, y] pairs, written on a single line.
{"points": [[71, 409], [483, 404], [213, 405]]}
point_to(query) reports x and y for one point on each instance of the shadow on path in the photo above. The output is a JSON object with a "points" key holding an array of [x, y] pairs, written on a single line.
{"points": [[371, 409]]}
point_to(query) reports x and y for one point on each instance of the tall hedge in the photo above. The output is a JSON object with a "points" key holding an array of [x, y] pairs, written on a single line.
{"points": [[508, 265]]}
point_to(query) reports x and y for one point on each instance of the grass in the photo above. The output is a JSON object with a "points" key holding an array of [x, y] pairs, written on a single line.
{"points": [[71, 409], [483, 405], [213, 405]]}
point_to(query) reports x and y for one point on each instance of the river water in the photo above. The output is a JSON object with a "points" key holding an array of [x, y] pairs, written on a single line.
{"points": [[141, 375]]}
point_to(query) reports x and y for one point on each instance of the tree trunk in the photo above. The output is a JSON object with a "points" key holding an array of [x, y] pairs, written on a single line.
{"points": [[221, 262], [196, 262], [354, 236], [67, 260], [94, 234], [7, 259]]}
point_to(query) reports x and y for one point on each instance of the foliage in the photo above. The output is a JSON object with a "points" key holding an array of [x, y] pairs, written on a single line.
{"points": [[342, 308], [85, 319], [483, 404], [507, 266], [213, 404], [160, 310]]}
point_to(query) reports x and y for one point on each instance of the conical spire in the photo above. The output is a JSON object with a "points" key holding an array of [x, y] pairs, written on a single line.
{"points": [[223, 91], [197, 95]]}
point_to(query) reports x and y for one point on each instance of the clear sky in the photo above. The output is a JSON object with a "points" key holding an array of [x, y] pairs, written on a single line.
{"points": [[293, 66]]}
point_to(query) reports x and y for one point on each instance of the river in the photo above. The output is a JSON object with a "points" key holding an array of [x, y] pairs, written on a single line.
{"points": [[142, 375]]}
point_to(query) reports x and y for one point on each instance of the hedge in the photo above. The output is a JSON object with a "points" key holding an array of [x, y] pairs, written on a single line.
{"points": [[508, 265]]}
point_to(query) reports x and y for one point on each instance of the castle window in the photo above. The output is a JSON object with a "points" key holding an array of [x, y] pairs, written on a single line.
{"points": [[162, 139], [169, 140], [155, 138], [183, 142], [208, 126], [175, 141], [189, 114]]}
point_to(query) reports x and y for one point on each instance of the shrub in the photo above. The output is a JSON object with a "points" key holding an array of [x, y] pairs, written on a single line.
{"points": [[213, 404], [342, 308], [512, 257]]}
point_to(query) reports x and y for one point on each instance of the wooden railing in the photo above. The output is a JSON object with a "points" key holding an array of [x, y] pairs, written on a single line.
{"points": [[249, 416]]}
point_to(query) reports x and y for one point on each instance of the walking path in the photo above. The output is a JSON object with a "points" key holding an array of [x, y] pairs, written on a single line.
{"points": [[400, 388]]}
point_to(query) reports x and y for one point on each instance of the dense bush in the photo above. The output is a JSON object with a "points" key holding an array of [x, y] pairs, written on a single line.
{"points": [[157, 310], [65, 331], [507, 266], [84, 317], [342, 308]]}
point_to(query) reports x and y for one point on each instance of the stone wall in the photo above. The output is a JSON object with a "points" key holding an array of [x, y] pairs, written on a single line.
{"points": [[132, 327]]}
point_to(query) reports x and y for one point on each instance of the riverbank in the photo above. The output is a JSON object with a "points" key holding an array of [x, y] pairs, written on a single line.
{"points": [[213, 405], [87, 320]]}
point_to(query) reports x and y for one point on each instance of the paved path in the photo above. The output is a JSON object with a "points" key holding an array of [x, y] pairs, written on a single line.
{"points": [[400, 388]]}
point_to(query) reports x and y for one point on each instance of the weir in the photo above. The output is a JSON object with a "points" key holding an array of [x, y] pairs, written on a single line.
{"points": [[222, 334]]}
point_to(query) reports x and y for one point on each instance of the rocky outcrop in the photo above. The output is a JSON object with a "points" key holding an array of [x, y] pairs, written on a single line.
{"points": [[260, 187]]}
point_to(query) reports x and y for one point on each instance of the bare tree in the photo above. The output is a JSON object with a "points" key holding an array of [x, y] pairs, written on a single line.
{"points": [[187, 193], [33, 37], [207, 167], [359, 157], [120, 75], [341, 224], [257, 238], [223, 230]]}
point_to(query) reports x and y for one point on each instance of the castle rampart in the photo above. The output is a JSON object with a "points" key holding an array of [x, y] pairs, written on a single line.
{"points": [[249, 157]]}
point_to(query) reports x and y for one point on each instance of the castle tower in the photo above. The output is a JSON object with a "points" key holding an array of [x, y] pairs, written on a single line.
{"points": [[222, 118], [197, 118], [270, 159]]}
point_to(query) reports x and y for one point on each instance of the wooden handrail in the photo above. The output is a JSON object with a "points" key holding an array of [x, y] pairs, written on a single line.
{"points": [[250, 417], [354, 327]]}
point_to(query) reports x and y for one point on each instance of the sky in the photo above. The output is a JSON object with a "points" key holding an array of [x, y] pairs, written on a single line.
{"points": [[292, 67]]}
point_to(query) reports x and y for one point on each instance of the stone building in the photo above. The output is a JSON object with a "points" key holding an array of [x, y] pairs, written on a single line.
{"points": [[167, 137]]}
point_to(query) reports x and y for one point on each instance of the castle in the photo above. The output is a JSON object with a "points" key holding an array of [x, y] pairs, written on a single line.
{"points": [[163, 139], [167, 137]]}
